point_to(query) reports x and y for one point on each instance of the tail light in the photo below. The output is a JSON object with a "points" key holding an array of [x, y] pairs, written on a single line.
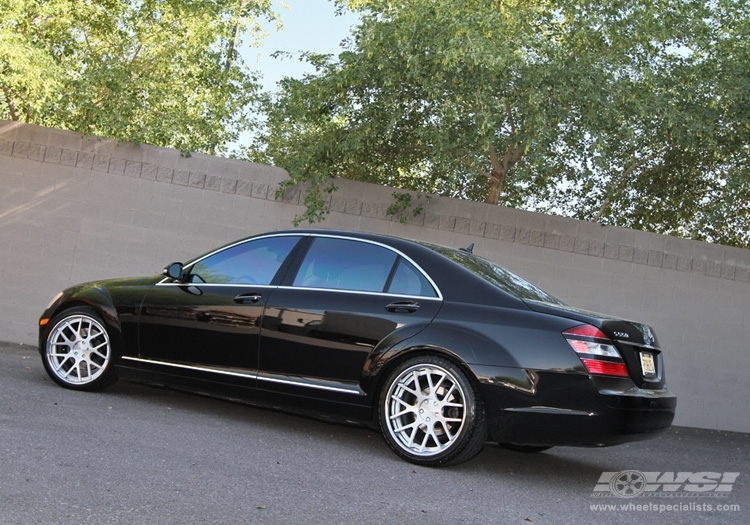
{"points": [[596, 351]]}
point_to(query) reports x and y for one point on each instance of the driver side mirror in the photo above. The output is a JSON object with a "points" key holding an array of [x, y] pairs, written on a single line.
{"points": [[174, 271]]}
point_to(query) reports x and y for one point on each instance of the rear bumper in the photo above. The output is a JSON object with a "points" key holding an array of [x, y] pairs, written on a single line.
{"points": [[568, 409]]}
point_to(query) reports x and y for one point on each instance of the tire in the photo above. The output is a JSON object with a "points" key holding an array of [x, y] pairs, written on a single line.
{"points": [[430, 413], [78, 351], [526, 449]]}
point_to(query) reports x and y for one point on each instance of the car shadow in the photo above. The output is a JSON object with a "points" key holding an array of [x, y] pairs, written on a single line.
{"points": [[674, 450], [550, 467]]}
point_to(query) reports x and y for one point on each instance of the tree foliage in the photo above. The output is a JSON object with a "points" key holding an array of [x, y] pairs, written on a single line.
{"points": [[163, 72], [629, 113]]}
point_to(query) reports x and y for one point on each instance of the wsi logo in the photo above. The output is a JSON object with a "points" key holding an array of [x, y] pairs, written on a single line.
{"points": [[632, 483]]}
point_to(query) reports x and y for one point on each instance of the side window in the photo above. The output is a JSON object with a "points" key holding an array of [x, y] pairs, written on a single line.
{"points": [[409, 281], [345, 264], [252, 262]]}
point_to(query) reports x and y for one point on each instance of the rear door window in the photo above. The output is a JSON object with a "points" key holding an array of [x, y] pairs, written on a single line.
{"points": [[345, 264], [407, 280]]}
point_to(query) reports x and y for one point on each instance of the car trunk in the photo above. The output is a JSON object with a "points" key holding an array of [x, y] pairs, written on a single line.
{"points": [[636, 342]]}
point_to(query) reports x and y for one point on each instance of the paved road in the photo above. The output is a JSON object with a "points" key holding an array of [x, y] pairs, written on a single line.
{"points": [[141, 455]]}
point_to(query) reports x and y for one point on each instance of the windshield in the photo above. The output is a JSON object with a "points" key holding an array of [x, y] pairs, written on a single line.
{"points": [[497, 275]]}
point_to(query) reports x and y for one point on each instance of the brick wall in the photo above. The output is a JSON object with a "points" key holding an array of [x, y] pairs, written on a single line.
{"points": [[74, 209]]}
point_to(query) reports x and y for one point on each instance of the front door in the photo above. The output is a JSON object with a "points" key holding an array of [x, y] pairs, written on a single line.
{"points": [[207, 325]]}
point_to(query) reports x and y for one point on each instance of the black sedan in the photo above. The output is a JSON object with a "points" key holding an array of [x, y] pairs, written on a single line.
{"points": [[440, 348]]}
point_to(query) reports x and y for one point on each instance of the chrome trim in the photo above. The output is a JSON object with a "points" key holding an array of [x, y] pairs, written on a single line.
{"points": [[364, 292], [331, 236], [639, 345], [193, 367], [209, 285], [310, 288], [319, 384], [549, 410]]}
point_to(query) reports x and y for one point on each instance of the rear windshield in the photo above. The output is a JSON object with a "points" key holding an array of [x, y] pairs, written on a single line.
{"points": [[497, 275]]}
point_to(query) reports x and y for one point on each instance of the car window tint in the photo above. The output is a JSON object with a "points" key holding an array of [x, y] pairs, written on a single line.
{"points": [[346, 265], [252, 262], [496, 275], [409, 281]]}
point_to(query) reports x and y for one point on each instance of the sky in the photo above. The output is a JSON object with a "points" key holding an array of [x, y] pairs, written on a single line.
{"points": [[308, 25]]}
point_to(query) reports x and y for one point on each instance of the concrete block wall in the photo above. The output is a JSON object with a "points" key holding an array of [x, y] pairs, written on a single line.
{"points": [[74, 209]]}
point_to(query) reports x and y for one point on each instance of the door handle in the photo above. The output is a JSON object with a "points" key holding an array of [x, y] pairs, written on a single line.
{"points": [[403, 307], [249, 298]]}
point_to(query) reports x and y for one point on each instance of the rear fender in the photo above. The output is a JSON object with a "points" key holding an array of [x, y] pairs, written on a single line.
{"points": [[449, 340]]}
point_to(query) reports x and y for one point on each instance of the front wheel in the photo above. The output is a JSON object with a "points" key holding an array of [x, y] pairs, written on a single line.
{"points": [[430, 413], [78, 351]]}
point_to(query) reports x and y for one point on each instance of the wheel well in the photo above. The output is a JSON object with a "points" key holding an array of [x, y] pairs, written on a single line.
{"points": [[410, 353], [44, 330], [114, 329], [72, 304]]}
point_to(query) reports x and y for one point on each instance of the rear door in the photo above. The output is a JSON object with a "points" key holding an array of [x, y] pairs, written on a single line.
{"points": [[321, 325]]}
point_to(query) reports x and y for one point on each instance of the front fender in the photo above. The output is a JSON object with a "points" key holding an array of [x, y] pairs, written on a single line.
{"points": [[116, 301], [93, 295]]}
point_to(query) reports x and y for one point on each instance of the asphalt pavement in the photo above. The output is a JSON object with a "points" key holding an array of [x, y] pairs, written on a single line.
{"points": [[135, 454]]}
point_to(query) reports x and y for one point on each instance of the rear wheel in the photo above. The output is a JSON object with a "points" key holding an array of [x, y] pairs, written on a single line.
{"points": [[78, 351], [430, 413]]}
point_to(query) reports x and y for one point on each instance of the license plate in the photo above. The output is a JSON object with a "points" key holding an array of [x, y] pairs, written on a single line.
{"points": [[647, 364]]}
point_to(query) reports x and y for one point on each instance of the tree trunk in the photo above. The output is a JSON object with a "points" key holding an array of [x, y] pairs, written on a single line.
{"points": [[11, 105], [500, 170]]}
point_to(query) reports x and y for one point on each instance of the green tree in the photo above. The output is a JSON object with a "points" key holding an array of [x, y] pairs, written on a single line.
{"points": [[163, 72], [629, 113]]}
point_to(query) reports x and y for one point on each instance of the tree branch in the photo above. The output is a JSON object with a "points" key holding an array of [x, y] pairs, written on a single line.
{"points": [[623, 179], [233, 39], [135, 54]]}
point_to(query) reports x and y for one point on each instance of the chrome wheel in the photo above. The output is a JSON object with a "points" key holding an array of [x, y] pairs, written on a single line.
{"points": [[425, 410], [78, 350]]}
